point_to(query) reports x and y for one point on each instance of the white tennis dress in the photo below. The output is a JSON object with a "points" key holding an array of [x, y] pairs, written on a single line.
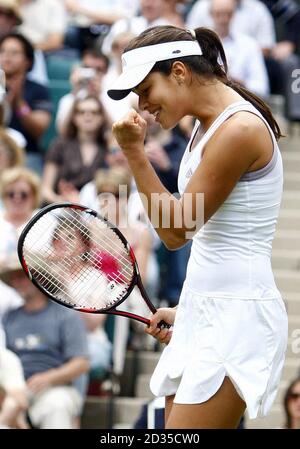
{"points": [[231, 320]]}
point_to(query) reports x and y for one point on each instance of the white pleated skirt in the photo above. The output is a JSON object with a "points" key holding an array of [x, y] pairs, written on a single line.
{"points": [[213, 337]]}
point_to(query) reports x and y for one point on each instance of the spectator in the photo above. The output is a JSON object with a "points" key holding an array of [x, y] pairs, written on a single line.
{"points": [[29, 102], [287, 13], [20, 194], [44, 23], [150, 15], [73, 160], [13, 397], [92, 20], [83, 82], [245, 59], [292, 405], [120, 41], [260, 27], [51, 343], [10, 18], [173, 12]]}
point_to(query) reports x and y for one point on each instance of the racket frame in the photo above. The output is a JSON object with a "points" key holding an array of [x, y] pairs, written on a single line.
{"points": [[136, 279]]}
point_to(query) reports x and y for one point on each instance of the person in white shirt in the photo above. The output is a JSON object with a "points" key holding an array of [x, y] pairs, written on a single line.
{"points": [[244, 57], [150, 15], [252, 17], [44, 23]]}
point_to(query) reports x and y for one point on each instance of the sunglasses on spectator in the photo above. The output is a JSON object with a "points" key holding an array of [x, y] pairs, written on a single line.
{"points": [[294, 396], [88, 111], [13, 194]]}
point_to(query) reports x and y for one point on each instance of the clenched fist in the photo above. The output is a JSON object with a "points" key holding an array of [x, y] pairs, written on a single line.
{"points": [[130, 132]]}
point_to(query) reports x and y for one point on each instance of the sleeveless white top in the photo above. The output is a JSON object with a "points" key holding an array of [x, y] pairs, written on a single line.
{"points": [[231, 253]]}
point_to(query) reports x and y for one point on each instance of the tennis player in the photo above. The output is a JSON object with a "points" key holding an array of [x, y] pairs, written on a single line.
{"points": [[229, 337]]}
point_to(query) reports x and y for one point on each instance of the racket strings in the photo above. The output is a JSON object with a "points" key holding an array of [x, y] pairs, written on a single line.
{"points": [[88, 286], [114, 244]]}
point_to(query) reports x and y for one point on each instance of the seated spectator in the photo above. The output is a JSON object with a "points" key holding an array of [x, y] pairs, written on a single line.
{"points": [[72, 160], [29, 102], [10, 18], [84, 82], [244, 57], [20, 195], [292, 405], [173, 11], [92, 20], [44, 23], [150, 14], [50, 341], [13, 395], [252, 17]]}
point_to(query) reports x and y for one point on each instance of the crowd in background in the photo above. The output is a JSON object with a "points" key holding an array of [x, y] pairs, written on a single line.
{"points": [[59, 58]]}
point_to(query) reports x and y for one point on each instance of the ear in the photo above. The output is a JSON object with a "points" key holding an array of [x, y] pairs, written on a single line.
{"points": [[179, 72]]}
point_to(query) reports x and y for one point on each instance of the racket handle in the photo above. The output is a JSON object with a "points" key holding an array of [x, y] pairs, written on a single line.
{"points": [[163, 325]]}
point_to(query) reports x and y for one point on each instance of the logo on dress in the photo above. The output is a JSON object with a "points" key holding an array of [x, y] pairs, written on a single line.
{"points": [[189, 173]]}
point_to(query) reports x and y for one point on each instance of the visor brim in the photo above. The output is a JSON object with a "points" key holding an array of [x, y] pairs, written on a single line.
{"points": [[128, 80]]}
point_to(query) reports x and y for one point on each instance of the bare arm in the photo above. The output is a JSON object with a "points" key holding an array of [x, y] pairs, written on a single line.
{"points": [[49, 178], [142, 253], [62, 375], [35, 122], [53, 42], [98, 16], [235, 147]]}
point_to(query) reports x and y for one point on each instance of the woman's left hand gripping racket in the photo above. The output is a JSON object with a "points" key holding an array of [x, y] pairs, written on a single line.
{"points": [[81, 260]]}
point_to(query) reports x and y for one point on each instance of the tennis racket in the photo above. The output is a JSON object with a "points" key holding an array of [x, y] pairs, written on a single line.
{"points": [[81, 260]]}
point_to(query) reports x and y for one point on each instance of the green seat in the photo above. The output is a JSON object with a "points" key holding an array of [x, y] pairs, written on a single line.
{"points": [[57, 88], [59, 67]]}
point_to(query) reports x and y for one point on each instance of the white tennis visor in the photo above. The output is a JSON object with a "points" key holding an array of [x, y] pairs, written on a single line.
{"points": [[137, 63]]}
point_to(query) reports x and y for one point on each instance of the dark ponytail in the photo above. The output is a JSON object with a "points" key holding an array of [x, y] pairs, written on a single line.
{"points": [[212, 63]]}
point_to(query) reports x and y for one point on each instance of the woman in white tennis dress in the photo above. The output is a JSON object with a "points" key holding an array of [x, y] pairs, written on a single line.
{"points": [[226, 351]]}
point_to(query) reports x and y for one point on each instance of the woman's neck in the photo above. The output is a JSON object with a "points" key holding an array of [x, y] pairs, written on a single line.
{"points": [[217, 96], [86, 137]]}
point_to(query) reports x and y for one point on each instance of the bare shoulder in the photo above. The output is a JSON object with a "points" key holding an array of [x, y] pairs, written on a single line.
{"points": [[243, 131]]}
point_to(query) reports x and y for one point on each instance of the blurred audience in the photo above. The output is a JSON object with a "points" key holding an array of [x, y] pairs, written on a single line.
{"points": [[245, 67], [50, 341], [29, 103], [13, 396], [20, 195], [72, 160], [11, 155], [91, 20], [86, 79], [292, 405], [150, 14], [43, 23], [10, 18]]}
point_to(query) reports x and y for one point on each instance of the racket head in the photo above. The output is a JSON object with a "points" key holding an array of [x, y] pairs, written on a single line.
{"points": [[49, 273]]}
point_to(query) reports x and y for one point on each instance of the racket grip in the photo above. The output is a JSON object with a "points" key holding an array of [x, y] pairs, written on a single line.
{"points": [[163, 325]]}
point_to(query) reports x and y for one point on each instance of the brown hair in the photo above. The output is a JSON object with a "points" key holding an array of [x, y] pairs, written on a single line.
{"points": [[286, 402], [211, 64], [71, 129], [15, 153]]}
